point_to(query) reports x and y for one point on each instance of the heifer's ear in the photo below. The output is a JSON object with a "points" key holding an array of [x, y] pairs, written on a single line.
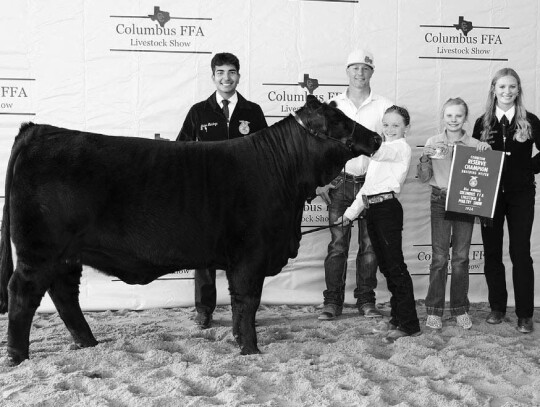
{"points": [[312, 101], [332, 103]]}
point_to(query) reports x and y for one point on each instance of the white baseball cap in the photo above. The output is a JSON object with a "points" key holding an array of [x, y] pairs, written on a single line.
{"points": [[361, 56]]}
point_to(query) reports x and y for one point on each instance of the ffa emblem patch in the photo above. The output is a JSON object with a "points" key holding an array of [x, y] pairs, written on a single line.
{"points": [[473, 181], [244, 127], [520, 137]]}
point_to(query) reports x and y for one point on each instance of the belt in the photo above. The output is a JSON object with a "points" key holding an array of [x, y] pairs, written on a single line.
{"points": [[375, 199], [355, 178]]}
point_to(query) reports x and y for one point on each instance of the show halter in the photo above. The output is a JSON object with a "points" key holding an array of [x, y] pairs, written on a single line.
{"points": [[348, 144], [323, 227]]}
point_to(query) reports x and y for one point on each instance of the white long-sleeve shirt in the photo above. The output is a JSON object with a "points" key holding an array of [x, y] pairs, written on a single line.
{"points": [[386, 173]]}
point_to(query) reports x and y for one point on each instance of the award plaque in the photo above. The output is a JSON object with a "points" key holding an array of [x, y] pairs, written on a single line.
{"points": [[474, 181]]}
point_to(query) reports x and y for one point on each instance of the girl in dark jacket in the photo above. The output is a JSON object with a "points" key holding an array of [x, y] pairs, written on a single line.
{"points": [[508, 127]]}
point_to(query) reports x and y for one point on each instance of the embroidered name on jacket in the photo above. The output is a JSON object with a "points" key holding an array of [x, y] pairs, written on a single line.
{"points": [[205, 126]]}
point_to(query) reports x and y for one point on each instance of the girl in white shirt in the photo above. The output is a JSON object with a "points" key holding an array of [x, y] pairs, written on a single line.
{"points": [[384, 214]]}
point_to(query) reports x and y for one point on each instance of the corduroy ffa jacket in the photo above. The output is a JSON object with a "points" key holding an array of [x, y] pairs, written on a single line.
{"points": [[205, 121]]}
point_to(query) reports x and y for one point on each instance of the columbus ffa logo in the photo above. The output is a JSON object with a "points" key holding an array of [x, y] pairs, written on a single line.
{"points": [[16, 96], [443, 42], [464, 25], [289, 96], [160, 16], [309, 83], [160, 32], [473, 181], [244, 127]]}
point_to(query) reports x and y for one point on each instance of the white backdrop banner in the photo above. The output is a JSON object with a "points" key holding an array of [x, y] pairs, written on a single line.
{"points": [[134, 69]]}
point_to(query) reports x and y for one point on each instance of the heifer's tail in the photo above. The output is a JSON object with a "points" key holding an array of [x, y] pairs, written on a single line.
{"points": [[6, 258]]}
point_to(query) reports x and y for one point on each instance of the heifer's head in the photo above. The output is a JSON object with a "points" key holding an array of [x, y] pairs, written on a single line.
{"points": [[327, 121]]}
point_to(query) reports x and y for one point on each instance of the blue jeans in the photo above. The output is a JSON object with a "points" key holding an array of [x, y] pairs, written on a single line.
{"points": [[445, 232], [335, 264], [385, 225]]}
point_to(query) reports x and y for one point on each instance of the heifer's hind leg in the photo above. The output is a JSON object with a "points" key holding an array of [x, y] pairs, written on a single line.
{"points": [[26, 289], [64, 292], [245, 289]]}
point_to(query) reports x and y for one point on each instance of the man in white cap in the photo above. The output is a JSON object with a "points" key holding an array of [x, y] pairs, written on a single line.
{"points": [[360, 104]]}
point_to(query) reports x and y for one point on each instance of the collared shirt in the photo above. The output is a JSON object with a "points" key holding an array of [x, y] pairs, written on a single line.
{"points": [[386, 173], [233, 100], [437, 172], [369, 115], [509, 113]]}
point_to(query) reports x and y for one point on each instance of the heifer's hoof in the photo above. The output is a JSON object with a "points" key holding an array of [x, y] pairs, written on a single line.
{"points": [[250, 351], [12, 362], [238, 339], [78, 345], [15, 358], [87, 343]]}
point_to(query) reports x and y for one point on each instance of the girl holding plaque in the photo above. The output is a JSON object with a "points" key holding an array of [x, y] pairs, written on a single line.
{"points": [[447, 228], [507, 126]]}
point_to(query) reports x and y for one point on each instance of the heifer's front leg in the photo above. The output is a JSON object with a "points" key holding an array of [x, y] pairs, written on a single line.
{"points": [[245, 289], [64, 292], [26, 289]]}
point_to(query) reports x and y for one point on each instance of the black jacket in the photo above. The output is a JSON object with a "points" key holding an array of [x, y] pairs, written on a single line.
{"points": [[519, 165], [205, 121]]}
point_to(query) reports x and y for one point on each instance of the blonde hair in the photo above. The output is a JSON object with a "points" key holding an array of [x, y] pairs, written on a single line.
{"points": [[455, 102], [523, 127]]}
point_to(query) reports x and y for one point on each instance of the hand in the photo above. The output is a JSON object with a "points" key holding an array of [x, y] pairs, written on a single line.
{"points": [[343, 219], [483, 146], [428, 151], [324, 193]]}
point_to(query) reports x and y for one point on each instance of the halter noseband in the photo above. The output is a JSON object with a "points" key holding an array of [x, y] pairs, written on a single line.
{"points": [[348, 144]]}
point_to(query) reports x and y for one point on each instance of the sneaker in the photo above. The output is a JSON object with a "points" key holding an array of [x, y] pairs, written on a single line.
{"points": [[395, 334], [369, 310], [434, 322], [330, 311], [464, 321]]}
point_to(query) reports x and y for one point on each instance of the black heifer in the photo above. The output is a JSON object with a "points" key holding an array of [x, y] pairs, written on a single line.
{"points": [[138, 209]]}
